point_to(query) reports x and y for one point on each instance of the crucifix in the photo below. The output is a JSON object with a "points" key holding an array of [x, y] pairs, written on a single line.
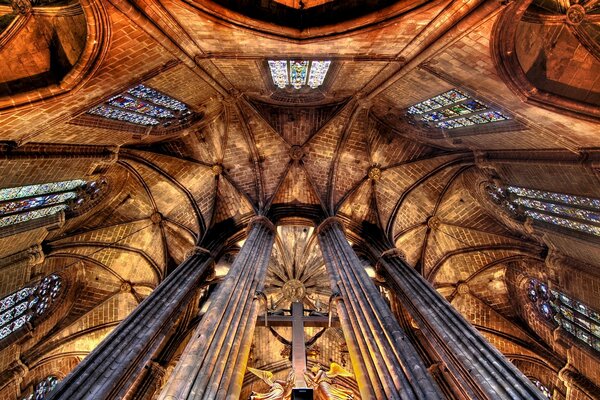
{"points": [[298, 321]]}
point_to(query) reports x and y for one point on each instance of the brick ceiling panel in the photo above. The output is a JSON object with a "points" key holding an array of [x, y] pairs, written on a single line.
{"points": [[320, 151], [273, 152], [229, 202], [354, 160], [461, 267], [296, 188], [358, 205], [238, 159]]}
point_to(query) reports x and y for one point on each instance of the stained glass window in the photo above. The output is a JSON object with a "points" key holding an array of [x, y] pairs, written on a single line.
{"points": [[575, 317], [573, 212], [454, 109], [28, 303], [298, 73], [24, 203], [43, 388], [542, 388], [142, 105]]}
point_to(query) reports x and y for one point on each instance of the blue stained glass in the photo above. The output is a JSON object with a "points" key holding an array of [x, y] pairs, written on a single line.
{"points": [[29, 215], [464, 121], [42, 389], [442, 100], [455, 95], [142, 105], [24, 204], [559, 209], [18, 307], [560, 197], [493, 116], [542, 388], [434, 116], [460, 110], [318, 71], [279, 73], [448, 113], [454, 109], [44, 188], [546, 310], [430, 105], [414, 110], [125, 116], [477, 119], [156, 97], [574, 316], [449, 124], [139, 106], [567, 223], [474, 105], [298, 73]]}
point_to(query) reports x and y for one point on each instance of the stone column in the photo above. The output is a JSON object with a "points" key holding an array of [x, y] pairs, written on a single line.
{"points": [[480, 369], [109, 370], [385, 363], [213, 364]]}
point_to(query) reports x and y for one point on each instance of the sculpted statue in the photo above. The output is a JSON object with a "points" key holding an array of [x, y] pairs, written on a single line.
{"points": [[322, 383], [280, 390]]}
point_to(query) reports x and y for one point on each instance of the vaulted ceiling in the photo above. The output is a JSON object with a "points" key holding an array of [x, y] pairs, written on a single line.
{"points": [[344, 149]]}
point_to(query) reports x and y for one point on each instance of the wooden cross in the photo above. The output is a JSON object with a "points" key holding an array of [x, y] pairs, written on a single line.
{"points": [[298, 321]]}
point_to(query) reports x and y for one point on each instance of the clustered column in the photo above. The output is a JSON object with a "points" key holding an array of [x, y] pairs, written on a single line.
{"points": [[386, 364], [481, 370], [214, 362], [109, 370]]}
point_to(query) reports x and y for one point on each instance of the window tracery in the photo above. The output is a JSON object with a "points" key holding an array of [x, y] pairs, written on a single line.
{"points": [[298, 73], [573, 316], [545, 391], [143, 105], [569, 211], [454, 109], [24, 203], [43, 388], [27, 304]]}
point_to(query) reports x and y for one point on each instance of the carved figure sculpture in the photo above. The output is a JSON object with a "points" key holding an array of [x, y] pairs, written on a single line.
{"points": [[322, 383], [280, 389]]}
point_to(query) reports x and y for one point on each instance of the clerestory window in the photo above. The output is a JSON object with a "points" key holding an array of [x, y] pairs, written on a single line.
{"points": [[42, 389], [24, 203], [454, 109], [145, 106], [579, 320], [298, 73], [565, 210], [28, 304]]}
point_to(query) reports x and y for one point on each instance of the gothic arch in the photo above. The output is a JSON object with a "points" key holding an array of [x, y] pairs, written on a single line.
{"points": [[95, 48], [504, 54]]}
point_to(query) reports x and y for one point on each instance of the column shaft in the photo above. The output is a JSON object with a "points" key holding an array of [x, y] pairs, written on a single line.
{"points": [[481, 370], [385, 362], [213, 364], [109, 370]]}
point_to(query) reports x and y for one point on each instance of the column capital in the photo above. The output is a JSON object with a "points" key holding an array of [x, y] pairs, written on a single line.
{"points": [[197, 250], [262, 220], [393, 252], [327, 222]]}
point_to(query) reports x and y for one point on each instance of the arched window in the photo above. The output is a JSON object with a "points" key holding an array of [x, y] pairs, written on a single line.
{"points": [[43, 388], [545, 391], [568, 211], [24, 203], [27, 304], [454, 109], [142, 105], [298, 73], [575, 317]]}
